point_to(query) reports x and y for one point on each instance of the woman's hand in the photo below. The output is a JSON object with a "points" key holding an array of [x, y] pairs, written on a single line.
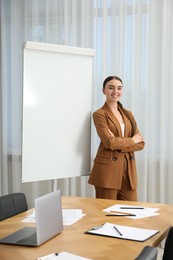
{"points": [[137, 138]]}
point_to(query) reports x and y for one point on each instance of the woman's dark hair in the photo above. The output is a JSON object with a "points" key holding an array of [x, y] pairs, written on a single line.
{"points": [[110, 78]]}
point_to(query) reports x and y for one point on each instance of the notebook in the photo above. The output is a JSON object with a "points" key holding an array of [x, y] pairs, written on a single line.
{"points": [[49, 222]]}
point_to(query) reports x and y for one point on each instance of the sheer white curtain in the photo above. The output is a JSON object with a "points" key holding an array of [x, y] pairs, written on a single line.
{"points": [[133, 39]]}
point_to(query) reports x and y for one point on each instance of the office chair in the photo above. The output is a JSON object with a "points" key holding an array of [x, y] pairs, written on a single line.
{"points": [[12, 204], [168, 249], [150, 253]]}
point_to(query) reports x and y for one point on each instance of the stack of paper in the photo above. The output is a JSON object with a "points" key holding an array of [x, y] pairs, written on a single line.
{"points": [[136, 211]]}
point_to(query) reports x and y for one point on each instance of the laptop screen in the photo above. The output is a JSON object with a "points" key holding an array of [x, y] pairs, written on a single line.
{"points": [[48, 213]]}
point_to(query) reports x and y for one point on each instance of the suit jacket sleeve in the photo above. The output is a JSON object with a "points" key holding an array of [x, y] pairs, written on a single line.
{"points": [[136, 147]]}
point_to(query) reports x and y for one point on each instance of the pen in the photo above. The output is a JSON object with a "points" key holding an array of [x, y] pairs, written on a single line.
{"points": [[120, 212], [121, 215], [131, 208], [118, 231]]}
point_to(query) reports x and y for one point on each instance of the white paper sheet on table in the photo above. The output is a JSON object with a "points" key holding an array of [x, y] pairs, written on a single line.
{"points": [[70, 216], [140, 213], [62, 256]]}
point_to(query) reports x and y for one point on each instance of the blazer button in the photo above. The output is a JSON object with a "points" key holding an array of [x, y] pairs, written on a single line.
{"points": [[114, 158], [132, 158]]}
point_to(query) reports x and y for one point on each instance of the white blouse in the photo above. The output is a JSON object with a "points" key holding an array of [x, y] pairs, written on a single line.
{"points": [[122, 128]]}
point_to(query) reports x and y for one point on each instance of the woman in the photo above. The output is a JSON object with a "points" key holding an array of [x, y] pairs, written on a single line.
{"points": [[114, 171]]}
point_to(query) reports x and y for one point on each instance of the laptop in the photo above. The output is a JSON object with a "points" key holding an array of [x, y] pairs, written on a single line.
{"points": [[49, 223]]}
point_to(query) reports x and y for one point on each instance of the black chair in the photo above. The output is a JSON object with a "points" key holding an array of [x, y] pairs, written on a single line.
{"points": [[150, 253], [12, 204], [168, 249]]}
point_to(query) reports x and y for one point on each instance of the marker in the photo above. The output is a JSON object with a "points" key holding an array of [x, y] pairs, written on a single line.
{"points": [[118, 231]]}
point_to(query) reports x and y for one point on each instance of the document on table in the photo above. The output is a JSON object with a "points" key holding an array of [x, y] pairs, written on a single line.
{"points": [[62, 256], [70, 216], [138, 211], [30, 218], [122, 232]]}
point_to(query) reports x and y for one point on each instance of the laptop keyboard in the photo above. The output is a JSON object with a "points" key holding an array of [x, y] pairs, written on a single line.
{"points": [[30, 240]]}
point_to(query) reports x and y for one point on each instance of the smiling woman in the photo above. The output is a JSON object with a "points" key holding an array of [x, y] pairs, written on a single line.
{"points": [[114, 171]]}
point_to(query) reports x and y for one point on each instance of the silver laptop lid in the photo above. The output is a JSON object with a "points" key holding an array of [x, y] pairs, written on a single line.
{"points": [[48, 213]]}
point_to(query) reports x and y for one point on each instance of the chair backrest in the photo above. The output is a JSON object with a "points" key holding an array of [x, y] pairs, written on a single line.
{"points": [[168, 249], [12, 204], [148, 253]]}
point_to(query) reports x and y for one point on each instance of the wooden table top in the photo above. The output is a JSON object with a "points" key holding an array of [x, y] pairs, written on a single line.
{"points": [[73, 239]]}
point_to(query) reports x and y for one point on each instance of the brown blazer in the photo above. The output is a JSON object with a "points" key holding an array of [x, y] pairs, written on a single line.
{"points": [[107, 170]]}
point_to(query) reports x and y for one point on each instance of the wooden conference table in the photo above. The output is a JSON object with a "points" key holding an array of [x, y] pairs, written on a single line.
{"points": [[73, 240]]}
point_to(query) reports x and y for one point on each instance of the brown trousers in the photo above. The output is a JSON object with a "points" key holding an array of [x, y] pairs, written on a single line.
{"points": [[104, 193]]}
